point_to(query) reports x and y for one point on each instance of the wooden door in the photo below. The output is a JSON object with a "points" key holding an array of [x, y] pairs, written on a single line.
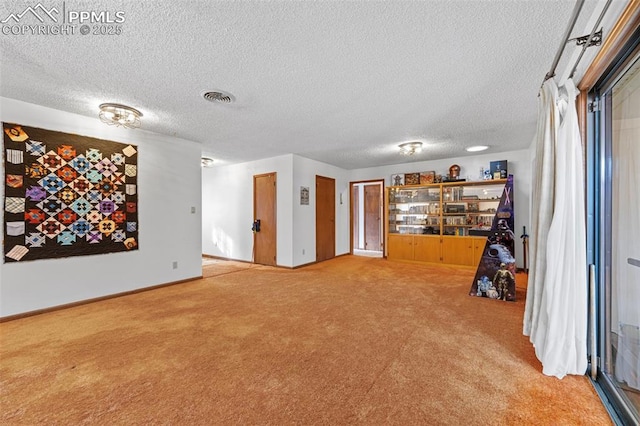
{"points": [[400, 247], [372, 209], [264, 209], [325, 218], [355, 217], [426, 248]]}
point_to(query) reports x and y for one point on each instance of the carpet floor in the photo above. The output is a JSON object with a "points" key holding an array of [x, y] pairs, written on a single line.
{"points": [[353, 340]]}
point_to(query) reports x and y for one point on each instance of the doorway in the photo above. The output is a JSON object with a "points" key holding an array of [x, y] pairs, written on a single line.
{"points": [[264, 217], [367, 228], [325, 218]]}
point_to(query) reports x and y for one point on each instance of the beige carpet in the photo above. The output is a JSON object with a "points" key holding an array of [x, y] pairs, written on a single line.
{"points": [[354, 340]]}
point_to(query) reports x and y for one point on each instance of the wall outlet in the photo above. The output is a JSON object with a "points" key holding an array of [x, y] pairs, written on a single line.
{"points": [[175, 264], [302, 251], [193, 210]]}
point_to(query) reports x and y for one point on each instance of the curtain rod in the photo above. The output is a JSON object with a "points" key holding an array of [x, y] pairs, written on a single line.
{"points": [[572, 23], [588, 43]]}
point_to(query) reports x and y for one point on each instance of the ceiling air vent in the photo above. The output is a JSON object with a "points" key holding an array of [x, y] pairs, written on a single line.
{"points": [[219, 97]]}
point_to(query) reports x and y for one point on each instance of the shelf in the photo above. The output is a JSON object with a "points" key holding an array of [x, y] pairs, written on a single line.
{"points": [[428, 210], [425, 206], [483, 213]]}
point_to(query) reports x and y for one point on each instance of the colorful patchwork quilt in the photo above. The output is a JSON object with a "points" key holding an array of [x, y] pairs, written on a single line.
{"points": [[67, 195]]}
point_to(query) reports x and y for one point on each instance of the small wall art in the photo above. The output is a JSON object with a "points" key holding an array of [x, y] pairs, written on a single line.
{"points": [[397, 179], [427, 177], [412, 178], [304, 195]]}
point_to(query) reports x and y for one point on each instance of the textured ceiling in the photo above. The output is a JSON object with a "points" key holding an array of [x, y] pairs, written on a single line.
{"points": [[340, 82]]}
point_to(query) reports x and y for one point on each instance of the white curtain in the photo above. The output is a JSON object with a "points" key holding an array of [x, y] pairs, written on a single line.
{"points": [[556, 308], [542, 191], [625, 273]]}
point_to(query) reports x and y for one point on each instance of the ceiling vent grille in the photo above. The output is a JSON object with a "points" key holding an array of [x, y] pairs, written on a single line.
{"points": [[219, 97]]}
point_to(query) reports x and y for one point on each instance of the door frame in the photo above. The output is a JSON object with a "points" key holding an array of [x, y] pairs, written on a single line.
{"points": [[383, 240]]}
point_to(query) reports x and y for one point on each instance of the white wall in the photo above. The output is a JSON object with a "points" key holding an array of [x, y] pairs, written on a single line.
{"points": [[304, 216], [227, 208], [519, 164], [169, 184], [227, 194]]}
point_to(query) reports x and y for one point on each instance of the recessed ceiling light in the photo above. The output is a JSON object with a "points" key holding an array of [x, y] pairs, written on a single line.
{"points": [[477, 148]]}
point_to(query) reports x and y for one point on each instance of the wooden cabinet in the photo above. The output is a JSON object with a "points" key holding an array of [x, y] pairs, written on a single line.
{"points": [[441, 223], [478, 249], [463, 251], [457, 251], [427, 248], [421, 248], [400, 247]]}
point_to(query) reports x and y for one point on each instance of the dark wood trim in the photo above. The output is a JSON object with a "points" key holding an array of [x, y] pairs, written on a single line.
{"points": [[210, 256], [304, 265], [370, 181], [620, 34], [93, 300]]}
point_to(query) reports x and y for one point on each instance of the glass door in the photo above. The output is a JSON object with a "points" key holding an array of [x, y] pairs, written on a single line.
{"points": [[618, 240]]}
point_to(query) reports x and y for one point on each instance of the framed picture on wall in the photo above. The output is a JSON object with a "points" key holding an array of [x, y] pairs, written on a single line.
{"points": [[412, 178], [397, 179], [304, 195], [427, 177]]}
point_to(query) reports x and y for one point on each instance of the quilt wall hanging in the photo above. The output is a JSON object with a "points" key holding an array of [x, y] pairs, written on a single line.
{"points": [[67, 195]]}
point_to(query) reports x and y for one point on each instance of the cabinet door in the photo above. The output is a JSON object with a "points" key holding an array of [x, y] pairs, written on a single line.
{"points": [[457, 251], [426, 248], [478, 249], [400, 247]]}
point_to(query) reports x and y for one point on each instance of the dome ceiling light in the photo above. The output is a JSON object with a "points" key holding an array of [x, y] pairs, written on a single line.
{"points": [[119, 115], [410, 148]]}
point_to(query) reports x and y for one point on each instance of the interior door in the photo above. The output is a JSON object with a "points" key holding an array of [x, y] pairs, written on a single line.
{"points": [[372, 211], [355, 217], [264, 210], [325, 218]]}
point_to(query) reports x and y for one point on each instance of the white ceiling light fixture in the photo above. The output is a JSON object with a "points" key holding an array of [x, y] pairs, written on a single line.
{"points": [[207, 162], [119, 115], [477, 148], [410, 148]]}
